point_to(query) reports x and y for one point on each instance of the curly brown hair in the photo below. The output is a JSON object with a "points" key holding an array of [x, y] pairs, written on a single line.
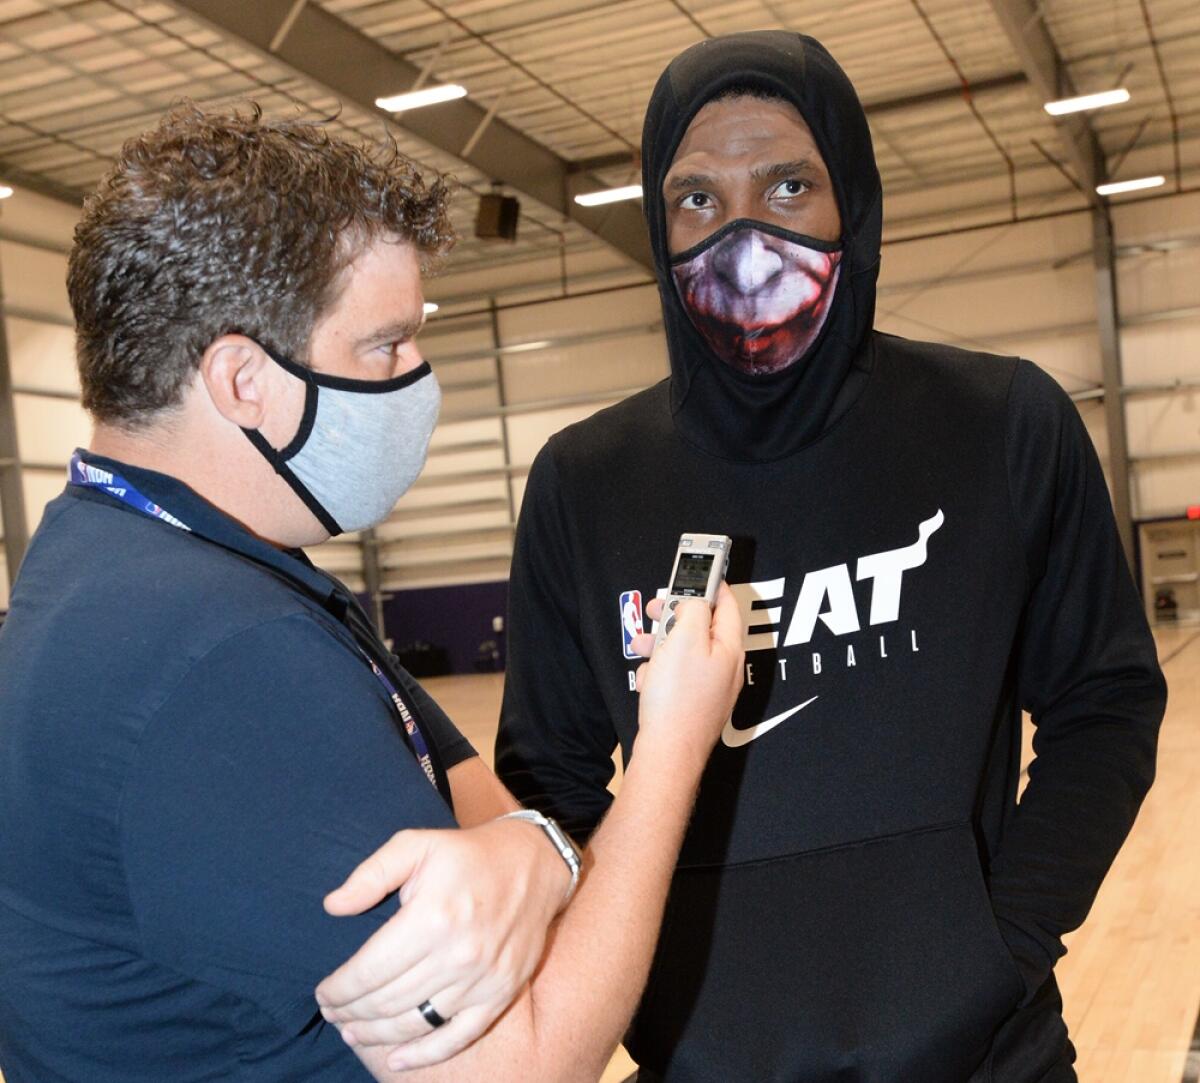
{"points": [[215, 223]]}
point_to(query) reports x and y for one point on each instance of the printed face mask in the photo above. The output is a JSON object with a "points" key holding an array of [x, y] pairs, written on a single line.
{"points": [[360, 445], [759, 294]]}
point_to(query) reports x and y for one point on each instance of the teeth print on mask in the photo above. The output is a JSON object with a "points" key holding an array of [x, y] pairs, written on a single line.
{"points": [[759, 294], [360, 445]]}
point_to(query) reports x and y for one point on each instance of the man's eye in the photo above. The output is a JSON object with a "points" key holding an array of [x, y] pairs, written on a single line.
{"points": [[792, 188], [696, 200]]}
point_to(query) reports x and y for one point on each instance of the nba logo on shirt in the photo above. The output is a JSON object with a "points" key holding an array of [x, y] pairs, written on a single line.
{"points": [[631, 620]]}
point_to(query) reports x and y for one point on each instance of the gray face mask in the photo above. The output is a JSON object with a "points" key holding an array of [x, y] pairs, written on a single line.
{"points": [[360, 445]]}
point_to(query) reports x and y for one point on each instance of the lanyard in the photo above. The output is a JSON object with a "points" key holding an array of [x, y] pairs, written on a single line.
{"points": [[93, 477], [81, 473], [415, 736]]}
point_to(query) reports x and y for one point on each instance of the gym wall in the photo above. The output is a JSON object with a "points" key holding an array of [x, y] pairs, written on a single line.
{"points": [[518, 362]]}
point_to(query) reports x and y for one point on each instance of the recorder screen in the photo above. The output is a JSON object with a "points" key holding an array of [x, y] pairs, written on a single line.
{"points": [[691, 577]]}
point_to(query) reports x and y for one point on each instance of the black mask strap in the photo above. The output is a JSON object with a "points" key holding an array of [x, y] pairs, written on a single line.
{"points": [[763, 227]]}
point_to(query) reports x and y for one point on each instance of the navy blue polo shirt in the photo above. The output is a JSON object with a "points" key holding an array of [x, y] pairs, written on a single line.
{"points": [[193, 751]]}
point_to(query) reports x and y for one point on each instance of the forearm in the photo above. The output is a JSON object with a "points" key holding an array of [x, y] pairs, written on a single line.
{"points": [[1086, 785], [479, 796], [565, 1026], [556, 738], [1086, 671], [589, 987]]}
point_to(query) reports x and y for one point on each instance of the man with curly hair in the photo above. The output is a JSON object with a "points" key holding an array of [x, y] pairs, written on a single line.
{"points": [[201, 734]]}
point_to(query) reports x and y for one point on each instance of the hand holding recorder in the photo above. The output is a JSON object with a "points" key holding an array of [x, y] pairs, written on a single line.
{"points": [[569, 1018], [696, 671]]}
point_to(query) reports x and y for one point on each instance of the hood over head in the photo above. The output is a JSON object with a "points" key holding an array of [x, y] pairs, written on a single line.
{"points": [[763, 417]]}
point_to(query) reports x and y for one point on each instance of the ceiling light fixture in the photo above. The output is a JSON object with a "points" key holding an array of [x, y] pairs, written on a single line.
{"points": [[415, 99], [430, 308], [609, 195], [5, 191], [1117, 187], [1119, 96]]}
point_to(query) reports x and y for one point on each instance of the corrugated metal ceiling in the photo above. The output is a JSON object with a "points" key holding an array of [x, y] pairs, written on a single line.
{"points": [[77, 77]]}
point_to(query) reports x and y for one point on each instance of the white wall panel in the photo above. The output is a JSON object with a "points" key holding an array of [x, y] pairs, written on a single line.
{"points": [[42, 356], [528, 432], [451, 433], [443, 338], [48, 430], [447, 521], [1159, 424], [1165, 351], [41, 486], [463, 460], [454, 374], [49, 220], [34, 279], [614, 364], [436, 496], [1161, 281], [1165, 487], [469, 400], [570, 316], [1160, 296]]}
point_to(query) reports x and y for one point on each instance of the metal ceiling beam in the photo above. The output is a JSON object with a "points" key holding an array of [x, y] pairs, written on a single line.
{"points": [[1022, 22], [1108, 321], [36, 182], [323, 49], [1039, 57], [943, 94], [881, 108]]}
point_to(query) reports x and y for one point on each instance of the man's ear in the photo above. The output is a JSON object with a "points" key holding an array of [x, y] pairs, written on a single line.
{"points": [[237, 374]]}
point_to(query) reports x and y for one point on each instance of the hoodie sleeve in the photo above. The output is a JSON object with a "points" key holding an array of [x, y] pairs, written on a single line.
{"points": [[1087, 673], [556, 740]]}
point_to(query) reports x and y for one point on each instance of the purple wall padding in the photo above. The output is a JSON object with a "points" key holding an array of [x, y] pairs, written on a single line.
{"points": [[455, 619]]}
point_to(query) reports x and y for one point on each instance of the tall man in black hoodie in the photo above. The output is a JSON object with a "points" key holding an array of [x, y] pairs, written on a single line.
{"points": [[923, 546]]}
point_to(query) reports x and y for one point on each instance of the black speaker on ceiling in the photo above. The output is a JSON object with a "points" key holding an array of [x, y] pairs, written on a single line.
{"points": [[497, 217]]}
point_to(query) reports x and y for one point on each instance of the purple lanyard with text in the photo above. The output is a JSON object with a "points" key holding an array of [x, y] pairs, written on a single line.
{"points": [[420, 748], [93, 477], [81, 473]]}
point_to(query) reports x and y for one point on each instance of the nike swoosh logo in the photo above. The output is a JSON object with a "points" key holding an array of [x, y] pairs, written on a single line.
{"points": [[732, 737]]}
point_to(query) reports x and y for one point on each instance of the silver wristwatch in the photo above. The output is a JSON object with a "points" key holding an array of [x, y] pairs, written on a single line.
{"points": [[561, 841]]}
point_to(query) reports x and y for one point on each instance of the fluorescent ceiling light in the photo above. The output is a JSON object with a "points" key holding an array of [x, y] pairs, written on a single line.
{"points": [[1116, 188], [430, 308], [1087, 101], [5, 191], [609, 195], [397, 103]]}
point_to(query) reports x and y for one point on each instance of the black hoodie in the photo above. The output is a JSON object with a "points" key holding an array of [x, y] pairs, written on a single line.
{"points": [[762, 418], [923, 546]]}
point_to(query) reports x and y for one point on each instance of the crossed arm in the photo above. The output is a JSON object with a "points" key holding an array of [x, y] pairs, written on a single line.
{"points": [[566, 1021]]}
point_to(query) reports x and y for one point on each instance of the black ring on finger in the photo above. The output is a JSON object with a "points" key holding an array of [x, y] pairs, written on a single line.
{"points": [[431, 1015]]}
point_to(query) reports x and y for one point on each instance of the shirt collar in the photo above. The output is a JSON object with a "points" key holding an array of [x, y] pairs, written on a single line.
{"points": [[207, 521]]}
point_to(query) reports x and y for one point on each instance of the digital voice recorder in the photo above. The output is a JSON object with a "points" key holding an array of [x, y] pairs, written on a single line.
{"points": [[701, 562]]}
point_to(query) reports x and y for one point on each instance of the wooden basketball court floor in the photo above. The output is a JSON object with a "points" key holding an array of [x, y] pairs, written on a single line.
{"points": [[1131, 976]]}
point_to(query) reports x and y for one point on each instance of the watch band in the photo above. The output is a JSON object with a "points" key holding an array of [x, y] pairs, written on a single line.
{"points": [[562, 842]]}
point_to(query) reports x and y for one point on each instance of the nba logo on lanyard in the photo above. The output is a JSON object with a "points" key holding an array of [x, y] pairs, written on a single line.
{"points": [[631, 620]]}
